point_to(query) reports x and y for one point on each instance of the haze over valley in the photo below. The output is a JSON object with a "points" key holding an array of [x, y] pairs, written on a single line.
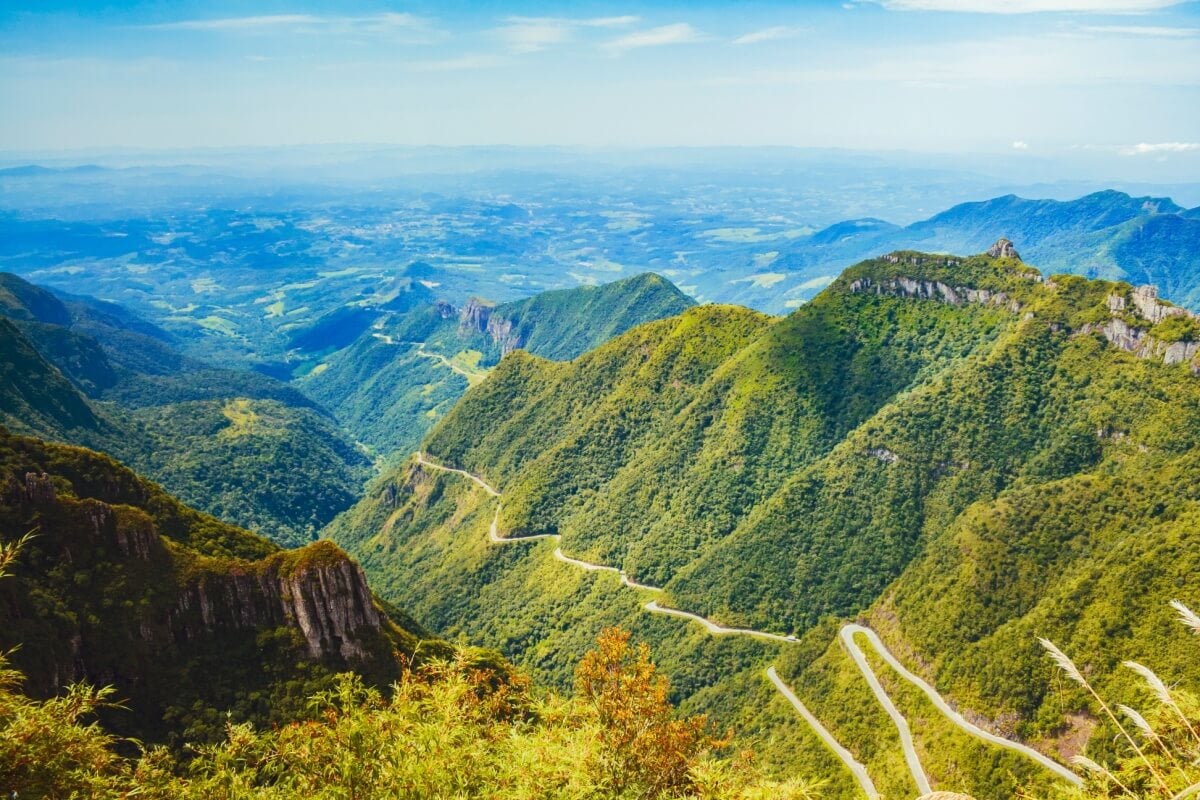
{"points": [[699, 401]]}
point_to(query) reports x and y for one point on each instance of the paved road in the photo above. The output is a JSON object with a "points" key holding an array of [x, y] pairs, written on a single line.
{"points": [[852, 764], [714, 628], [906, 740], [487, 487], [846, 634], [472, 378]]}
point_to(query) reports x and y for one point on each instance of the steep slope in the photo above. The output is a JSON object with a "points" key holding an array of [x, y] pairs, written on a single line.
{"points": [[34, 396], [186, 616], [565, 324], [398, 378], [280, 471], [284, 470], [111, 354], [966, 451]]}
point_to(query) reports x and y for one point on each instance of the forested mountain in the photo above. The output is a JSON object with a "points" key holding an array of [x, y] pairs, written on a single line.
{"points": [[247, 671], [1109, 234], [185, 616], [410, 362], [234, 443], [968, 455]]}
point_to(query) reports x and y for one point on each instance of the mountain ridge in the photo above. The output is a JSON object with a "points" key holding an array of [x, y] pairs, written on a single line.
{"points": [[776, 474]]}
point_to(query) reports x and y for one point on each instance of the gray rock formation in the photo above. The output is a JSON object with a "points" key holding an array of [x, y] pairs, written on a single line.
{"points": [[186, 599], [474, 315], [935, 290], [1003, 248], [501, 331]]}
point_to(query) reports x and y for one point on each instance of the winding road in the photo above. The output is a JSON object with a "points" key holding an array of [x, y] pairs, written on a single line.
{"points": [[852, 764], [472, 378], [846, 634]]}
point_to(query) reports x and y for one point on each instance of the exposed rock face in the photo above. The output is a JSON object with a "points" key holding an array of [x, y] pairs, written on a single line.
{"points": [[185, 599], [477, 317], [444, 309], [1137, 341], [36, 488], [935, 290], [883, 454], [327, 601], [1145, 300], [501, 331], [1003, 248], [474, 315]]}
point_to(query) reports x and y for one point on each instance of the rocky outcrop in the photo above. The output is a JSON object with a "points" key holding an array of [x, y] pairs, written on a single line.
{"points": [[474, 316], [326, 598], [1141, 344], [1003, 248], [1142, 302], [444, 309], [501, 331], [478, 316], [882, 454], [172, 600], [935, 290], [34, 489]]}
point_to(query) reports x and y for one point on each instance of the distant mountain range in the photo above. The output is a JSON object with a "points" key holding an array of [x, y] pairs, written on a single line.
{"points": [[1141, 240]]}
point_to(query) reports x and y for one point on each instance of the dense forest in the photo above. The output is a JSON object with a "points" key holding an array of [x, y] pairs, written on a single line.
{"points": [[958, 449]]}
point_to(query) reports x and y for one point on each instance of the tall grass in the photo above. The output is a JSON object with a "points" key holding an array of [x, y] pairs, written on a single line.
{"points": [[1159, 746]]}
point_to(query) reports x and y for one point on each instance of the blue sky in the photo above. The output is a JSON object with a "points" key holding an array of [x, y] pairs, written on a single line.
{"points": [[1118, 77]]}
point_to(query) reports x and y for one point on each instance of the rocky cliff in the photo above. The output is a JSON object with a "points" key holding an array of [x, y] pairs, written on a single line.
{"points": [[474, 316], [122, 585], [1137, 317]]}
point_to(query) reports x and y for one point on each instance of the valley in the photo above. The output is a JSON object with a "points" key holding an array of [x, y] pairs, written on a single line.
{"points": [[571, 449], [762, 400], [847, 636], [842, 531]]}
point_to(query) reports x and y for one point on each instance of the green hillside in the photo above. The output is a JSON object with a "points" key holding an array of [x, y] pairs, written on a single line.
{"points": [[235, 444], [406, 371], [967, 454], [187, 617]]}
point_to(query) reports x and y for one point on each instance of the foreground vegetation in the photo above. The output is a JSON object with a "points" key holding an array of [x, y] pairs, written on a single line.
{"points": [[1155, 750], [445, 730]]}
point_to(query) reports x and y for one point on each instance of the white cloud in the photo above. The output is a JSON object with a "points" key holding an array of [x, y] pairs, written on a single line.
{"points": [[463, 62], [242, 23], [1020, 145], [820, 282], [1029, 6], [1160, 148], [374, 23], [1143, 30], [679, 33], [390, 24], [1005, 61], [610, 22], [767, 35], [531, 34]]}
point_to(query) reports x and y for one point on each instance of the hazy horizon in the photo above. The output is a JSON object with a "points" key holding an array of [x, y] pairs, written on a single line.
{"points": [[1113, 85]]}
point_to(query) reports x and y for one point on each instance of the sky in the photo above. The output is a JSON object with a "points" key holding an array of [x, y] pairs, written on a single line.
{"points": [[1119, 78]]}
